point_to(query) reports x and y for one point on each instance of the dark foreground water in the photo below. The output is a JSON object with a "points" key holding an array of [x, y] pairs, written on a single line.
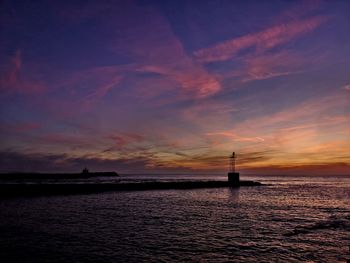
{"points": [[293, 219]]}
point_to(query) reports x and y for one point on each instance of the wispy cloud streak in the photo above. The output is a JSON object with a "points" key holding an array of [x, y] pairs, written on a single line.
{"points": [[13, 80], [154, 48], [263, 40]]}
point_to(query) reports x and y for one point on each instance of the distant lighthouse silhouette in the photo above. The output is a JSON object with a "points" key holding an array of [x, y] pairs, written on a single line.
{"points": [[233, 176]]}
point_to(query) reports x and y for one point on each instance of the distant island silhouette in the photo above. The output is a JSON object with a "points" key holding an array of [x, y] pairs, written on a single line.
{"points": [[85, 173]]}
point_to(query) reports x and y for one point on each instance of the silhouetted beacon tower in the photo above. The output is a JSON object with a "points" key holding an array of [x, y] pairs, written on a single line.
{"points": [[233, 176]]}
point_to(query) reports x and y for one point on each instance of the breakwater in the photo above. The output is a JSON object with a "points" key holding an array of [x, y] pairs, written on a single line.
{"points": [[12, 190]]}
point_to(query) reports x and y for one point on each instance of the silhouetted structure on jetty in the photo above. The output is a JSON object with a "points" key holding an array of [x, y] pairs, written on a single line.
{"points": [[233, 176]]}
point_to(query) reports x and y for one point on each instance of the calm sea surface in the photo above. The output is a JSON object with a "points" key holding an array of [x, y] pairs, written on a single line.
{"points": [[292, 219]]}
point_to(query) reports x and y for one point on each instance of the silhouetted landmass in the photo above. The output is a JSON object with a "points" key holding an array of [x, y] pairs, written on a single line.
{"points": [[11, 190], [18, 176]]}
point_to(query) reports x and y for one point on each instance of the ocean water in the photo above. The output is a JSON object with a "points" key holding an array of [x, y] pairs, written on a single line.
{"points": [[291, 219]]}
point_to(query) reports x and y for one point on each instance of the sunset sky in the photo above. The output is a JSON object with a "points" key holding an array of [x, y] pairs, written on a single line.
{"points": [[175, 86]]}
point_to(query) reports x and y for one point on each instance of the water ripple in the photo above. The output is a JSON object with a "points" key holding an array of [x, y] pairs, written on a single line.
{"points": [[283, 223]]}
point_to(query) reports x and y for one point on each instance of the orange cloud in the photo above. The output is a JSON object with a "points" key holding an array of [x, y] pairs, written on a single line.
{"points": [[310, 110], [299, 135], [235, 137], [263, 40]]}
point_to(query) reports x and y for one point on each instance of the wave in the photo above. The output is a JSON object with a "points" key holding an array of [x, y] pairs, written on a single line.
{"points": [[331, 223]]}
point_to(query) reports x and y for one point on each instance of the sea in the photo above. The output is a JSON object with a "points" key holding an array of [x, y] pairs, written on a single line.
{"points": [[289, 219]]}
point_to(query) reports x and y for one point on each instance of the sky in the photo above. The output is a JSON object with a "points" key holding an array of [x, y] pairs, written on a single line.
{"points": [[175, 86]]}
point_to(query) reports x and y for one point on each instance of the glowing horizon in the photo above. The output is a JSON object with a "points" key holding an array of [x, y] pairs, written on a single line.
{"points": [[158, 86]]}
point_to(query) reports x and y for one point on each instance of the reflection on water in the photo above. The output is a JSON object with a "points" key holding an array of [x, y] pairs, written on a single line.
{"points": [[304, 219]]}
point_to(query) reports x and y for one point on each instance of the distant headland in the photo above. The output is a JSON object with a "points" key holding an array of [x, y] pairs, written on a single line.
{"points": [[85, 173]]}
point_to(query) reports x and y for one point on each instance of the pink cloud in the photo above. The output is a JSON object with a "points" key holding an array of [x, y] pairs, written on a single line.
{"points": [[17, 65], [58, 138], [80, 91], [150, 46], [65, 141], [118, 140], [12, 78], [124, 139], [152, 89], [346, 87], [153, 47], [192, 78], [271, 65], [263, 40], [209, 113], [100, 92], [20, 127]]}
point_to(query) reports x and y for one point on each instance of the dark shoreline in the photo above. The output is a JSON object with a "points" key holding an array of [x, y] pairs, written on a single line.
{"points": [[23, 176], [45, 189]]}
